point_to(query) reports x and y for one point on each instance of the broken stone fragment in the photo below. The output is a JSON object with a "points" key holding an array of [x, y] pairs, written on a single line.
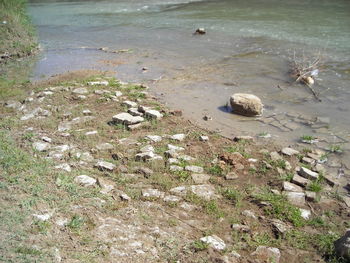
{"points": [[85, 180], [80, 91], [129, 104], [290, 187], [104, 146], [296, 198], [175, 168], [153, 114], [105, 166], [154, 138], [308, 174], [205, 191], [194, 169], [152, 193], [135, 112], [214, 241], [289, 151], [204, 138], [231, 176], [301, 181], [171, 199], [127, 119], [65, 167], [240, 228], [178, 137], [98, 83], [246, 104], [41, 146]]}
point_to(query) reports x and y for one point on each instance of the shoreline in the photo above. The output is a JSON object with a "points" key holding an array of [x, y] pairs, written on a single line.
{"points": [[197, 188]]}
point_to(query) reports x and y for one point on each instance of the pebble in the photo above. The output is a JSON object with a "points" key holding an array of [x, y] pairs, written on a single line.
{"points": [[204, 138]]}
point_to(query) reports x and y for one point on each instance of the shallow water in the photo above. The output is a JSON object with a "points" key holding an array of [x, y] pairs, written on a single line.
{"points": [[248, 48]]}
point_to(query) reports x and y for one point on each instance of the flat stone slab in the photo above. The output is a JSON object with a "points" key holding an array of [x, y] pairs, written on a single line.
{"points": [[153, 114], [301, 181], [290, 187], [289, 151], [296, 198], [126, 118], [308, 174]]}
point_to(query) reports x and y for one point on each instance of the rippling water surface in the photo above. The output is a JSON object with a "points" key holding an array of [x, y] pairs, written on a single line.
{"points": [[248, 48]]}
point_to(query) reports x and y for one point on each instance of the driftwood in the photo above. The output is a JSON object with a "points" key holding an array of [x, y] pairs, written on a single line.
{"points": [[305, 69]]}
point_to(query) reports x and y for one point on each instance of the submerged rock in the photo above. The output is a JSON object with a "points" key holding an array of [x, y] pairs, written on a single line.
{"points": [[246, 104]]}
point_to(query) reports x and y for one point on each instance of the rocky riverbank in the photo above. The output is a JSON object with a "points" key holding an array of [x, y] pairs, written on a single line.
{"points": [[96, 170]]}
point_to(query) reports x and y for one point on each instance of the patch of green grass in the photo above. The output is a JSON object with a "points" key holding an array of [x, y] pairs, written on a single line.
{"points": [[76, 222], [315, 186], [280, 208], [335, 148], [27, 250], [211, 207], [199, 245], [307, 138], [235, 196], [216, 170]]}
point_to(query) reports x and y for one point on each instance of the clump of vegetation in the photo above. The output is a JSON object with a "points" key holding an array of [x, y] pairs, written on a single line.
{"points": [[305, 69], [281, 208], [17, 38]]}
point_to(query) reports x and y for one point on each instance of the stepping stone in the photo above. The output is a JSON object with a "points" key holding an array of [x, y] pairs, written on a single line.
{"points": [[205, 191], [153, 114], [296, 198], [127, 119], [308, 174]]}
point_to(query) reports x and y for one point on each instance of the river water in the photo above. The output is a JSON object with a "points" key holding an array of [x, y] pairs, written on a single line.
{"points": [[248, 48]]}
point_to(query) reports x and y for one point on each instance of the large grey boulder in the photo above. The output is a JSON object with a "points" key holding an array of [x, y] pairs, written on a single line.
{"points": [[342, 246], [246, 104]]}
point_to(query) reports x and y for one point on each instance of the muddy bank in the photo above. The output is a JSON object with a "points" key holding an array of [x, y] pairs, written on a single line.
{"points": [[99, 170]]}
